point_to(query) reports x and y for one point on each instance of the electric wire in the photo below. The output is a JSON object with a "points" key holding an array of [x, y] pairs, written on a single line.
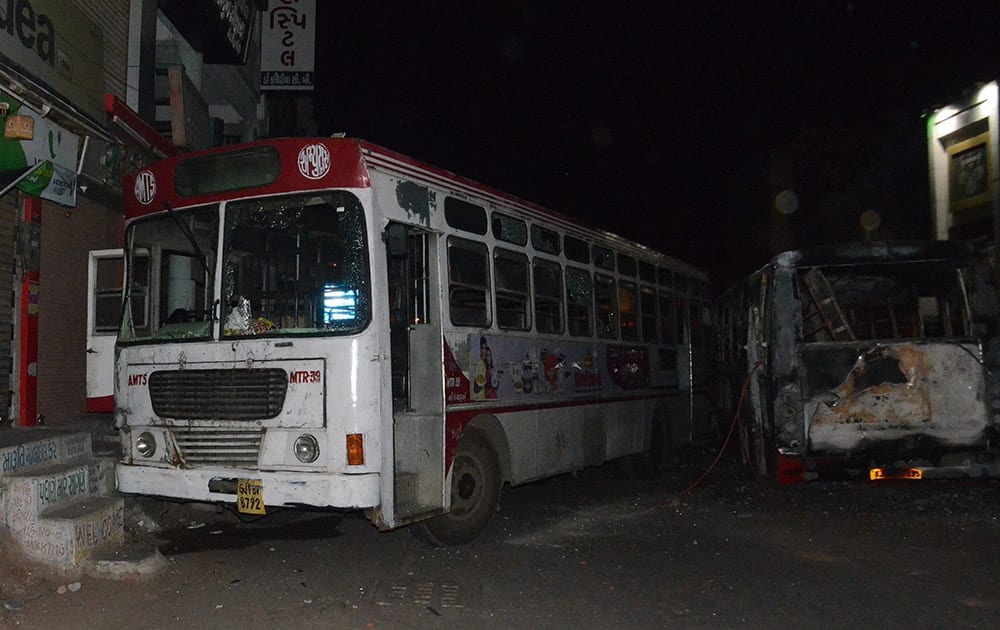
{"points": [[744, 449]]}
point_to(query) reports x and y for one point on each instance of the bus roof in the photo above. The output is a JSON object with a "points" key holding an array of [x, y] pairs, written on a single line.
{"points": [[281, 165], [879, 252]]}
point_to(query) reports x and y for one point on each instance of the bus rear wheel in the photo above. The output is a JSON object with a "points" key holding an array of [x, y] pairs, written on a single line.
{"points": [[475, 494]]}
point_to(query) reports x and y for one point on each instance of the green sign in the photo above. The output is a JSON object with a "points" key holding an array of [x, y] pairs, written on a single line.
{"points": [[36, 155]]}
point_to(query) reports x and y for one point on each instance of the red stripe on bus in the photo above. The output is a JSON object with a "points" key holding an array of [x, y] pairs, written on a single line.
{"points": [[100, 404]]}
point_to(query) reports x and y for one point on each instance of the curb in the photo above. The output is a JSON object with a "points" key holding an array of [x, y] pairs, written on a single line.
{"points": [[134, 561]]}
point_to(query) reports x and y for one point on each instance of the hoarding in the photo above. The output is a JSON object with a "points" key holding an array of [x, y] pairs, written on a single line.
{"points": [[288, 45], [36, 155], [57, 46]]}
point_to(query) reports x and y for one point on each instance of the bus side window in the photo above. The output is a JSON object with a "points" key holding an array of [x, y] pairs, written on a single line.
{"points": [[605, 298], [579, 302], [548, 296], [512, 289], [647, 314], [680, 319], [627, 308], [668, 329], [468, 282]]}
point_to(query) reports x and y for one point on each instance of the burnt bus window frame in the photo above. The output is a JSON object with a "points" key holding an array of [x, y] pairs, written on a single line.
{"points": [[509, 229], [465, 216], [575, 249], [463, 283], [895, 301]]}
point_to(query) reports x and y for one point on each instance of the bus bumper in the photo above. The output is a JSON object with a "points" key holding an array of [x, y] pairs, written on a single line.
{"points": [[218, 485]]}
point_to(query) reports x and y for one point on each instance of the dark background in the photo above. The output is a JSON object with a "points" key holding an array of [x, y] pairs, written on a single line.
{"points": [[671, 124]]}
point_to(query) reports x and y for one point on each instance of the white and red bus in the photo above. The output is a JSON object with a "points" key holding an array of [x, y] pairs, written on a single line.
{"points": [[324, 322]]}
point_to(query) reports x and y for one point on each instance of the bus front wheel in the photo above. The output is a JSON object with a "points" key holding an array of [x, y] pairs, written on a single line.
{"points": [[475, 494]]}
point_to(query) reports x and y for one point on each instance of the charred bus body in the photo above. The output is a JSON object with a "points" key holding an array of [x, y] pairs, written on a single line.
{"points": [[860, 358]]}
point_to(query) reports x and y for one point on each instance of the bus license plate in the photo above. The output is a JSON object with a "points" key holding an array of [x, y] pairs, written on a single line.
{"points": [[250, 496]]}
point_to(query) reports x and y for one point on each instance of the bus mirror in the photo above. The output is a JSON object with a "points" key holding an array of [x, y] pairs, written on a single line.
{"points": [[396, 239]]}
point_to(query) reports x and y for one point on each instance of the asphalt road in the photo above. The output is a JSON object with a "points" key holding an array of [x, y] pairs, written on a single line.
{"points": [[590, 550]]}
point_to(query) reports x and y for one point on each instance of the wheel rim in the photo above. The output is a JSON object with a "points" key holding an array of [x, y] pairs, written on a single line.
{"points": [[466, 485]]}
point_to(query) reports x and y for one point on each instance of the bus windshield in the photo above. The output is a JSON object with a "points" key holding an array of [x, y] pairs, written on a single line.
{"points": [[291, 265], [171, 275], [295, 265]]}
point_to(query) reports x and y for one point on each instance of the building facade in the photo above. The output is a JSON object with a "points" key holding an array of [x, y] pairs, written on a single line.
{"points": [[90, 90]]}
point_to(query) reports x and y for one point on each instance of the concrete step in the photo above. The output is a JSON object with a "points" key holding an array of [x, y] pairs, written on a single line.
{"points": [[59, 508], [24, 450], [27, 495], [65, 536]]}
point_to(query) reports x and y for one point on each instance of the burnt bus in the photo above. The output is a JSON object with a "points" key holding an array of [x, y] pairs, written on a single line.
{"points": [[860, 359]]}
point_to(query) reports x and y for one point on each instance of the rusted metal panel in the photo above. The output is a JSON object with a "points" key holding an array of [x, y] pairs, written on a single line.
{"points": [[901, 393], [862, 356]]}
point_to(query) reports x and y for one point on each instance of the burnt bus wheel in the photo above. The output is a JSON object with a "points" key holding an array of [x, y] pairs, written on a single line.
{"points": [[475, 494]]}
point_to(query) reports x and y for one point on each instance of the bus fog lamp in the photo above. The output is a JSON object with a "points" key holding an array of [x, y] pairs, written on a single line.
{"points": [[306, 448], [145, 444]]}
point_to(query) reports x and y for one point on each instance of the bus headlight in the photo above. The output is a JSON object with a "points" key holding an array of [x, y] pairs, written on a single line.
{"points": [[145, 444], [306, 448]]}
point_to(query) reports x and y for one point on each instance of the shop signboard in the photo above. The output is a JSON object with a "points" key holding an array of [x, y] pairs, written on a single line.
{"points": [[36, 155], [58, 48], [288, 43]]}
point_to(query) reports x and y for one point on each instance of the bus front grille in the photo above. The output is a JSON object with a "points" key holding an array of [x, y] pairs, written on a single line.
{"points": [[240, 394], [212, 446]]}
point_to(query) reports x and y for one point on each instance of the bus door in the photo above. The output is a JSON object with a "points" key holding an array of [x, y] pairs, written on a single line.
{"points": [[417, 360], [104, 286]]}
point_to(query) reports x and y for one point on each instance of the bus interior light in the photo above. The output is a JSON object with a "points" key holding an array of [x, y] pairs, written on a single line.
{"points": [[355, 449]]}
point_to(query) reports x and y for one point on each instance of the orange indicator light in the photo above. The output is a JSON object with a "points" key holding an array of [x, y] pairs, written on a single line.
{"points": [[355, 449], [879, 474]]}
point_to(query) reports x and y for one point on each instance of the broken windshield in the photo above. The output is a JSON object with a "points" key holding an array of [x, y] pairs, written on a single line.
{"points": [[295, 265]]}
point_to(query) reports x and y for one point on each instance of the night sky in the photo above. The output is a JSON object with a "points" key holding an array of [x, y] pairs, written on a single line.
{"points": [[675, 125]]}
